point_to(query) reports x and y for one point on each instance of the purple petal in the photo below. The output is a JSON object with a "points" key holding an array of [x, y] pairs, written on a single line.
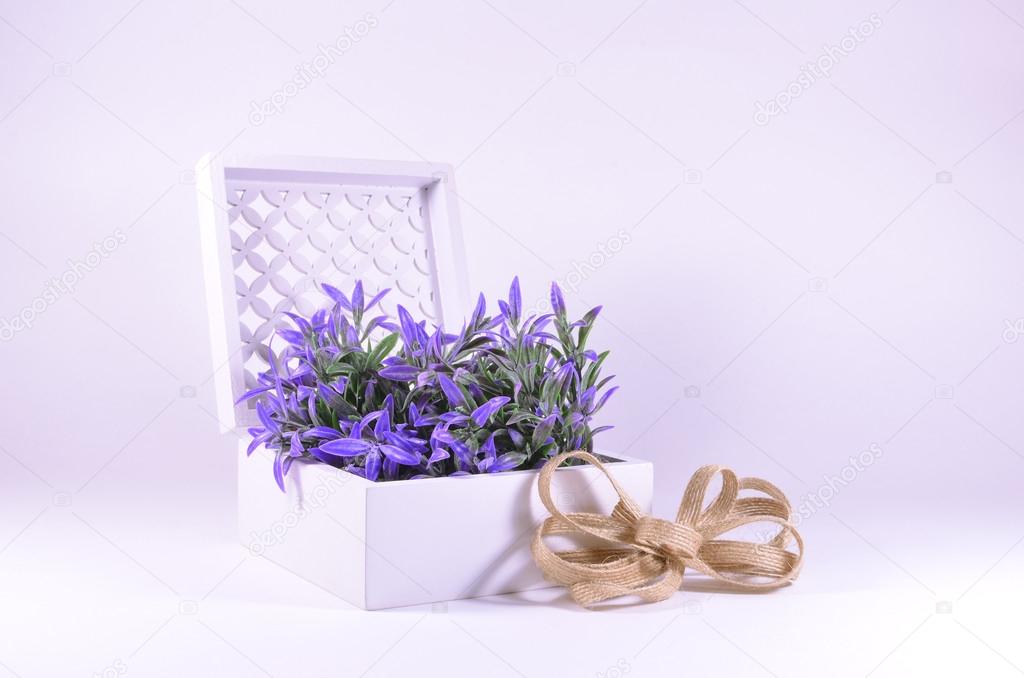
{"points": [[400, 372], [345, 447], [325, 457], [253, 393], [292, 337], [461, 450], [337, 295], [543, 430], [376, 298], [383, 425], [373, 465], [295, 447], [557, 300], [587, 398], [324, 432], [279, 470], [256, 442], [454, 418], [507, 462], [265, 419], [400, 456], [604, 398], [490, 452], [515, 298], [478, 312], [300, 322], [451, 391], [486, 411], [379, 320], [357, 297], [409, 334]]}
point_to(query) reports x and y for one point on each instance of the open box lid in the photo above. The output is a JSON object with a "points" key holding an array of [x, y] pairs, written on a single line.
{"points": [[274, 228]]}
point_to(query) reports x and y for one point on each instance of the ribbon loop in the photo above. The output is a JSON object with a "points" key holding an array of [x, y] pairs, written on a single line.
{"points": [[646, 556], [671, 540]]}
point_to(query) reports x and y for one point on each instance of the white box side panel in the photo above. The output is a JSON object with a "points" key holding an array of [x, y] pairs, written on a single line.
{"points": [[452, 538], [315, 530]]}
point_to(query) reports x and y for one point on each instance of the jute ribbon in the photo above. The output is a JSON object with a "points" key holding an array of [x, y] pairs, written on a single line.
{"points": [[645, 556]]}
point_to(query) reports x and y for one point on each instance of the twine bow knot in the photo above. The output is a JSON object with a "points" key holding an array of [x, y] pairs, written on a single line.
{"points": [[648, 555]]}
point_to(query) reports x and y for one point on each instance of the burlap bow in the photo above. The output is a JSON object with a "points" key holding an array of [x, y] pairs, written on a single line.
{"points": [[648, 555]]}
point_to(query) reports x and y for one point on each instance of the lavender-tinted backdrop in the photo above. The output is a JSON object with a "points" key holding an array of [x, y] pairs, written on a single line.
{"points": [[804, 221]]}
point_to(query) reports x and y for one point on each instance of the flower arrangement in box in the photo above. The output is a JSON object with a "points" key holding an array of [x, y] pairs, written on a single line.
{"points": [[394, 401]]}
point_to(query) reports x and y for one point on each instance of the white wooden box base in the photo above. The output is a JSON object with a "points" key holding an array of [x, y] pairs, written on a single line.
{"points": [[389, 544]]}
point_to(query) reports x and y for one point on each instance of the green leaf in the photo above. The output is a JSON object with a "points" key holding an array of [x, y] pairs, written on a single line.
{"points": [[543, 430], [383, 348], [592, 370], [520, 417]]}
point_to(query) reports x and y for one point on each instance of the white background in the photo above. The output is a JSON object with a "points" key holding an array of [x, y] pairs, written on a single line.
{"points": [[847, 275]]}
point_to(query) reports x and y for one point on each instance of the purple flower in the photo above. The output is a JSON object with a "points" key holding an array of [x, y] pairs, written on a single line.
{"points": [[321, 432], [515, 299], [543, 430], [373, 461], [507, 462], [410, 333], [279, 470], [505, 392], [400, 456], [451, 391], [253, 393], [266, 419], [257, 441], [345, 447], [478, 313], [295, 446], [292, 337], [357, 297], [605, 397], [337, 295], [376, 299], [557, 300], [486, 411]]}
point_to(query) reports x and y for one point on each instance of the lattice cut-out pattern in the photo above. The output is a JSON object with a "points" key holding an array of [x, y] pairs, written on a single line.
{"points": [[287, 238]]}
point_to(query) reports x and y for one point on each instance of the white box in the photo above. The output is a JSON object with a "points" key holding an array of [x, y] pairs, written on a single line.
{"points": [[272, 229], [408, 542]]}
